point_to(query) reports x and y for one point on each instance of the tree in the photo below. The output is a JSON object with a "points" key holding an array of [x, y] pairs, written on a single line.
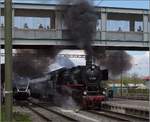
{"points": [[134, 79]]}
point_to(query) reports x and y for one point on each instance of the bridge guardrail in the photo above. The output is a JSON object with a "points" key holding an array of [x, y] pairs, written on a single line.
{"points": [[62, 34], [124, 36]]}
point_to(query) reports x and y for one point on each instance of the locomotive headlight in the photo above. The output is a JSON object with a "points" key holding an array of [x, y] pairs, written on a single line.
{"points": [[18, 90], [28, 91], [93, 67], [104, 92], [85, 93]]}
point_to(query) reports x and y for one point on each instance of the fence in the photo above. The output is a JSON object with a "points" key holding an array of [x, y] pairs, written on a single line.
{"points": [[131, 93]]}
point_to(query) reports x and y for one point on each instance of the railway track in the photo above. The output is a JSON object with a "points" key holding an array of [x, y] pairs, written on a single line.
{"points": [[119, 116], [105, 114], [46, 118], [60, 114], [41, 108], [129, 115], [24, 104]]}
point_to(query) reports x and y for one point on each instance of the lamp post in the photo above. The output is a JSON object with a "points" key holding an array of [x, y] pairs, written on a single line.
{"points": [[8, 60], [149, 45], [121, 84], [121, 73], [149, 42]]}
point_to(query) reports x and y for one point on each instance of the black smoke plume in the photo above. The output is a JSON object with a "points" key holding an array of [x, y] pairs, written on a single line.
{"points": [[33, 62], [80, 20], [116, 62]]}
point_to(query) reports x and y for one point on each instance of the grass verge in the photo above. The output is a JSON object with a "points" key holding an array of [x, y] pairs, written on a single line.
{"points": [[17, 116]]}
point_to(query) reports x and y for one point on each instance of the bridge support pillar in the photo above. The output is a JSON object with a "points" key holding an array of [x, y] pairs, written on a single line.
{"points": [[132, 24], [145, 27], [103, 25], [58, 20], [52, 21]]}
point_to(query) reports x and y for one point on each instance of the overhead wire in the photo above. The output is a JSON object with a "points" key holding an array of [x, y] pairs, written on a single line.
{"points": [[99, 2]]}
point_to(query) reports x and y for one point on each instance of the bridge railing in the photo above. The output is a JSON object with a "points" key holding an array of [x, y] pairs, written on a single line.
{"points": [[37, 34], [124, 36], [53, 34]]}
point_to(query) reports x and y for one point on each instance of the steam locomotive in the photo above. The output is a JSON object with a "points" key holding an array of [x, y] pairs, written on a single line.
{"points": [[85, 84], [82, 83]]}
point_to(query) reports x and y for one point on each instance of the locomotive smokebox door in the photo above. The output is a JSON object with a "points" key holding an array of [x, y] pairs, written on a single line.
{"points": [[93, 74]]}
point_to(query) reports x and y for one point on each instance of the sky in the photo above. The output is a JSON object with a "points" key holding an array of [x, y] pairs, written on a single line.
{"points": [[144, 4], [140, 58], [111, 3], [140, 62]]}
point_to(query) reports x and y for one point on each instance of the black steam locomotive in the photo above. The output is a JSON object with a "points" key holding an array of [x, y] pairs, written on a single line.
{"points": [[85, 84], [82, 83]]}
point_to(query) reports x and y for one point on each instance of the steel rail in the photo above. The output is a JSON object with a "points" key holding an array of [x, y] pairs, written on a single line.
{"points": [[39, 114], [55, 112], [108, 115], [118, 116], [128, 115]]}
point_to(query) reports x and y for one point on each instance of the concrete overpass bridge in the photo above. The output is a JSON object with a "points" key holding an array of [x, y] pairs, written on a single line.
{"points": [[55, 32]]}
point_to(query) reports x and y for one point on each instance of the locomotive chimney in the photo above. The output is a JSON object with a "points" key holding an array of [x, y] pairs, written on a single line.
{"points": [[88, 60]]}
